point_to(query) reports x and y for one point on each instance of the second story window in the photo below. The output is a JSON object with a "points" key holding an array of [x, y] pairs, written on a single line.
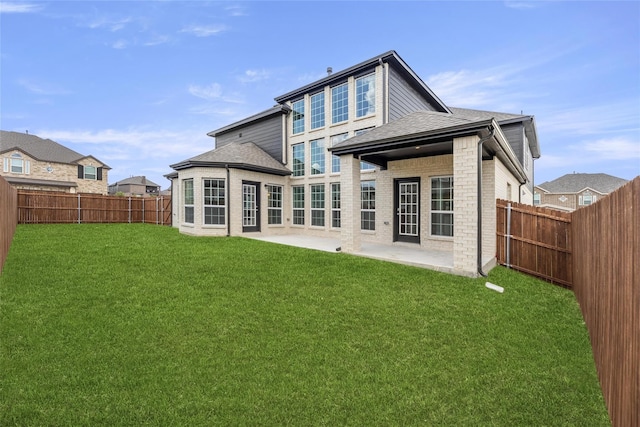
{"points": [[90, 172], [16, 164], [317, 157], [298, 159], [340, 103], [365, 95], [298, 116], [317, 110], [335, 160]]}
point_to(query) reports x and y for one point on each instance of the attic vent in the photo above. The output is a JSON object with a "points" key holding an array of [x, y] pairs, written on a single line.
{"points": [[329, 71]]}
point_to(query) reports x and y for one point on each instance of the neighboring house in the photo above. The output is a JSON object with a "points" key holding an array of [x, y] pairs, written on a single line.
{"points": [[33, 163], [135, 186], [575, 190], [367, 154]]}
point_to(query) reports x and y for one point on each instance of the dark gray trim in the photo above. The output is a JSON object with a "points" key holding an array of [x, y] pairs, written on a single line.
{"points": [[278, 109], [244, 166]]}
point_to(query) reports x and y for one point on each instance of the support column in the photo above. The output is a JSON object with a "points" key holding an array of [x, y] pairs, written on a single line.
{"points": [[350, 203], [465, 205]]}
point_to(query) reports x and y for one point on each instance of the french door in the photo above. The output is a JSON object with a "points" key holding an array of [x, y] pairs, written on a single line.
{"points": [[406, 226], [250, 206]]}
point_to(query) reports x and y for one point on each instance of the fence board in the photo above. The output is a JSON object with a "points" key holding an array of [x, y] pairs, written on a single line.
{"points": [[60, 208], [8, 218]]}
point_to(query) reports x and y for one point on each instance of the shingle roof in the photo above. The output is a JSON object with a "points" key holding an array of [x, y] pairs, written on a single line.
{"points": [[576, 182], [480, 114], [137, 180], [414, 124], [44, 150], [246, 155]]}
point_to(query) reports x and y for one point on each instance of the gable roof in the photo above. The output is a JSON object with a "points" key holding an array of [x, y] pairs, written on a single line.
{"points": [[275, 110], [576, 182], [137, 180], [504, 119], [44, 150], [245, 155], [390, 57]]}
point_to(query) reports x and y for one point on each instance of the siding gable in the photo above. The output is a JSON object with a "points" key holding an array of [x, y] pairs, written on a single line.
{"points": [[266, 134], [403, 98]]}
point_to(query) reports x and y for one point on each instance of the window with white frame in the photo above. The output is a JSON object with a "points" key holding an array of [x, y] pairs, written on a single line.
{"points": [[274, 213], [214, 201], [16, 164], [368, 205], [340, 103], [298, 159], [187, 193], [365, 95], [298, 204], [317, 156], [317, 110], [90, 172], [298, 116], [317, 205], [364, 166], [335, 205], [536, 198], [442, 206], [586, 199], [335, 160]]}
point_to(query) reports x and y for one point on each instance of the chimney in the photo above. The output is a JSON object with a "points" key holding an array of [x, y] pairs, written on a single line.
{"points": [[329, 71]]}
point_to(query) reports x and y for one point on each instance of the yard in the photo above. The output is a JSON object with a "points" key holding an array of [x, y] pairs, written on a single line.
{"points": [[131, 324]]}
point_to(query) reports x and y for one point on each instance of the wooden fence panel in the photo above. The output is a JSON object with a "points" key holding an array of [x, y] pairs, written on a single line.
{"points": [[539, 241], [8, 218], [59, 208], [607, 286]]}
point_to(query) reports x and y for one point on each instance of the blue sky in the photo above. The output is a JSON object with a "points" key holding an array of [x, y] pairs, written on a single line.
{"points": [[138, 84]]}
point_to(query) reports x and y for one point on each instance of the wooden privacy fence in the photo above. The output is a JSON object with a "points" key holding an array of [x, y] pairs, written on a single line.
{"points": [[8, 218], [536, 241], [58, 208], [595, 251]]}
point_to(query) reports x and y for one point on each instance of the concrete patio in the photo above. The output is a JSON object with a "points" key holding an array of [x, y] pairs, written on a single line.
{"points": [[403, 254]]}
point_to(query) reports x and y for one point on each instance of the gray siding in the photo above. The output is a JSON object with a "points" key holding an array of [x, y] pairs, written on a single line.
{"points": [[518, 142], [403, 99], [266, 134]]}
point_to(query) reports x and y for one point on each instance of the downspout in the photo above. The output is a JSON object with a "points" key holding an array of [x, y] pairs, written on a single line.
{"points": [[228, 201], [479, 186]]}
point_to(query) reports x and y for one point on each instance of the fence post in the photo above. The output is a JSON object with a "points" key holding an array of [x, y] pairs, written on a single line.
{"points": [[129, 209], [508, 236], [79, 214], [157, 210], [143, 206]]}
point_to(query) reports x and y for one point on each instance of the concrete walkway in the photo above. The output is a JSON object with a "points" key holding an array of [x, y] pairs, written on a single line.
{"points": [[403, 254]]}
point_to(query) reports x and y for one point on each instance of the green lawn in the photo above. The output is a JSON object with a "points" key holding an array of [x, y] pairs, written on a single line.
{"points": [[136, 324]]}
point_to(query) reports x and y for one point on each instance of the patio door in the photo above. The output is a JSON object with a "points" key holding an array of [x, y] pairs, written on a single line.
{"points": [[250, 206], [406, 226]]}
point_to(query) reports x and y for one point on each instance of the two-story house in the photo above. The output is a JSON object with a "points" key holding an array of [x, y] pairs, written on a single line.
{"points": [[366, 154], [575, 190], [138, 186], [33, 163]]}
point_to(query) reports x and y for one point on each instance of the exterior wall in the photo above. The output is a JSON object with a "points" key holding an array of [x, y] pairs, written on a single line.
{"points": [[518, 141], [565, 201], [403, 99], [52, 171], [266, 134]]}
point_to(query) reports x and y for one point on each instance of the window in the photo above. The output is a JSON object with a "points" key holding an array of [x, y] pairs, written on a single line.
{"points": [[298, 204], [509, 193], [368, 205], [364, 166], [90, 172], [365, 95], [317, 110], [340, 103], [335, 160], [586, 199], [335, 205], [274, 213], [317, 205], [214, 201], [187, 186], [15, 164], [536, 198], [298, 116], [317, 156], [442, 206], [298, 159]]}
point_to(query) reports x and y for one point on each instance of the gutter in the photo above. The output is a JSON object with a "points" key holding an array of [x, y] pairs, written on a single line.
{"points": [[479, 187], [228, 202]]}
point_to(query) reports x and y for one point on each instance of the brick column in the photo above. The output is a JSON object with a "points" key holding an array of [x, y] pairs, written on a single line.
{"points": [[465, 205], [350, 203]]}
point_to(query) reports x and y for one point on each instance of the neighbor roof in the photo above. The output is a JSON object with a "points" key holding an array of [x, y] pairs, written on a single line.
{"points": [[137, 180], [390, 57], [44, 150], [245, 155], [576, 182]]}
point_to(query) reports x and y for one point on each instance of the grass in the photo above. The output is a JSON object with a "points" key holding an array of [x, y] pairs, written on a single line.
{"points": [[137, 325]]}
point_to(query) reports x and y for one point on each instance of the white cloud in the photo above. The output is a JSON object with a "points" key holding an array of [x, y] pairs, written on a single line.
{"points": [[251, 76], [120, 44], [236, 10], [112, 25], [42, 88], [621, 116], [211, 92], [204, 31], [157, 40], [520, 4], [14, 7], [617, 148]]}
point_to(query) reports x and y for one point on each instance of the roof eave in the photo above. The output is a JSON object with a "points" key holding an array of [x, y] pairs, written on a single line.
{"points": [[234, 165]]}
